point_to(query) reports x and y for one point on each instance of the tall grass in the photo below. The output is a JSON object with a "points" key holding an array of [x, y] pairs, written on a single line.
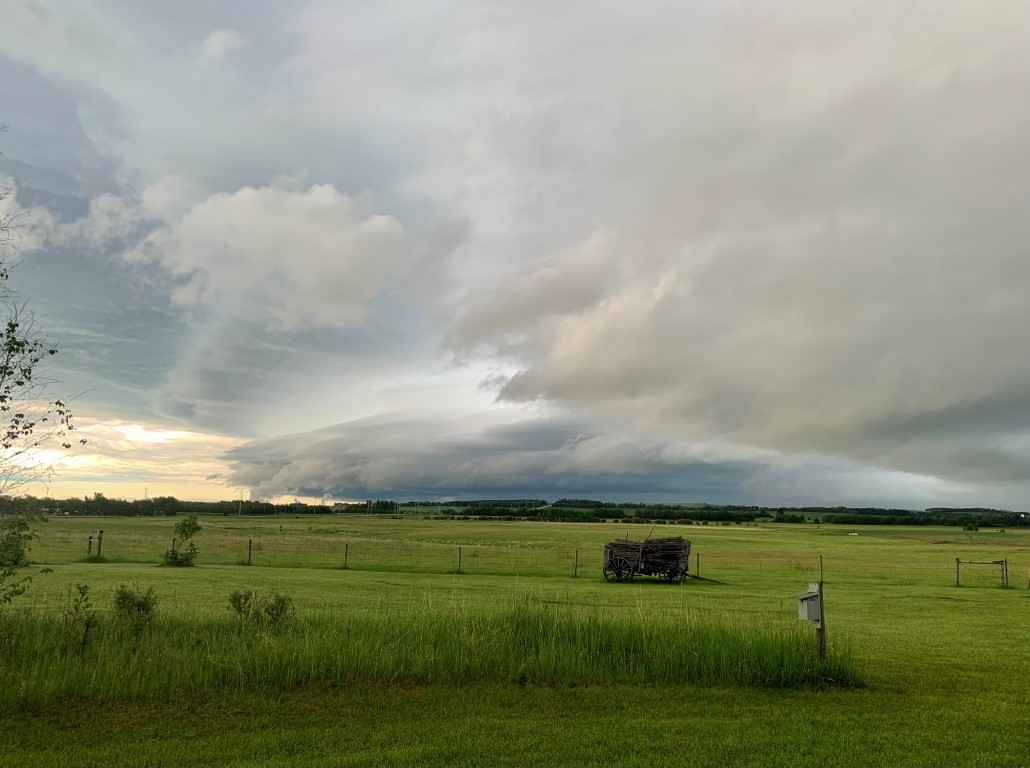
{"points": [[523, 643]]}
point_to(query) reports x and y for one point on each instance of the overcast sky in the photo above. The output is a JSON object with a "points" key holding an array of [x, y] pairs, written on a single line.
{"points": [[755, 252]]}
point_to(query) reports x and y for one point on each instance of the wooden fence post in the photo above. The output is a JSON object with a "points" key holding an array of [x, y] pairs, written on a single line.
{"points": [[100, 542], [89, 550], [250, 549], [820, 628], [575, 568], [346, 554], [459, 559], [697, 563], [956, 572]]}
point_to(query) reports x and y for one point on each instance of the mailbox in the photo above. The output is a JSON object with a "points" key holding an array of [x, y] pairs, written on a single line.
{"points": [[810, 605]]}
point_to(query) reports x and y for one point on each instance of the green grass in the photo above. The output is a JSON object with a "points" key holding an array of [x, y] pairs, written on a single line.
{"points": [[45, 663], [945, 669]]}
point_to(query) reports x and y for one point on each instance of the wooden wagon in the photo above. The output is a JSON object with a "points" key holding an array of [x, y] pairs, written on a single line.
{"points": [[667, 558]]}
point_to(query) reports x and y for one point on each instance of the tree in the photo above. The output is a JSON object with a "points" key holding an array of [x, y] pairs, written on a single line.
{"points": [[32, 417], [183, 551]]}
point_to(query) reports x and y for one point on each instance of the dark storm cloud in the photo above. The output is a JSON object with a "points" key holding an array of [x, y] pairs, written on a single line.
{"points": [[408, 457]]}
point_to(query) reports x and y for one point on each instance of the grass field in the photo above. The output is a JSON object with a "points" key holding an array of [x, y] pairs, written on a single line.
{"points": [[945, 669]]}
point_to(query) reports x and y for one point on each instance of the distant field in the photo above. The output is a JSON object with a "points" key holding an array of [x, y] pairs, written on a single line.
{"points": [[945, 669]]}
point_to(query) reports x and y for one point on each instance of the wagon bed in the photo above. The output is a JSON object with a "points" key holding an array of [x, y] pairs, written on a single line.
{"points": [[667, 558]]}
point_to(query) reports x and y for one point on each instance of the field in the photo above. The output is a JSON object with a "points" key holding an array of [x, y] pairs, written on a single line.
{"points": [[942, 670]]}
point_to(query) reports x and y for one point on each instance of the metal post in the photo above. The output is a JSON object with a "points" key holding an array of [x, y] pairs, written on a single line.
{"points": [[459, 559], [575, 568], [100, 542], [250, 549]]}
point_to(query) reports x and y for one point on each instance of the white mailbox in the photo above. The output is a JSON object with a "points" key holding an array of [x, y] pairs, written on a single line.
{"points": [[810, 604]]}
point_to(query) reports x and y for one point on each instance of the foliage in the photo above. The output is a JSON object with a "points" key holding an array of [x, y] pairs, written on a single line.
{"points": [[187, 527], [272, 611], [78, 620], [15, 537], [134, 608], [183, 551]]}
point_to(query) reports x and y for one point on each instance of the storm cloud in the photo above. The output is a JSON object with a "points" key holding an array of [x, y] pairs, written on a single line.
{"points": [[752, 250]]}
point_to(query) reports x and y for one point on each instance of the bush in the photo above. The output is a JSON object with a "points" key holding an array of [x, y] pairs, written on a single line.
{"points": [[181, 558], [273, 610], [134, 608]]}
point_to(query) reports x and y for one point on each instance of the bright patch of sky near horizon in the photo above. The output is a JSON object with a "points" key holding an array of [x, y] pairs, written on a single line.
{"points": [[752, 252]]}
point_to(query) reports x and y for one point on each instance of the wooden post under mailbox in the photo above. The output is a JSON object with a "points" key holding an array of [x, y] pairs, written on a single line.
{"points": [[820, 627]]}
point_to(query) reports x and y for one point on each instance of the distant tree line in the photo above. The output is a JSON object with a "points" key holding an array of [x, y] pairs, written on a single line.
{"points": [[563, 510], [588, 510], [100, 505]]}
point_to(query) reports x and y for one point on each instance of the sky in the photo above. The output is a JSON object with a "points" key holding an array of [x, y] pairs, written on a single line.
{"points": [[753, 251]]}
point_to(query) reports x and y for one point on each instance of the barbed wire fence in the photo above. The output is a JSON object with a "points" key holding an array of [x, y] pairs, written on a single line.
{"points": [[391, 555]]}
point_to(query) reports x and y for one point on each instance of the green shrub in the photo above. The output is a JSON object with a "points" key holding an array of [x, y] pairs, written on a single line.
{"points": [[180, 557], [134, 608], [271, 611], [78, 620]]}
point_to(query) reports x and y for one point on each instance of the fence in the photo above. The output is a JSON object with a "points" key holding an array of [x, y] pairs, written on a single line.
{"points": [[392, 555]]}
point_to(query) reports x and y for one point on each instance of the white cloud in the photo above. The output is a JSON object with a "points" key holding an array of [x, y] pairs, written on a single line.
{"points": [[314, 258], [217, 46], [297, 258]]}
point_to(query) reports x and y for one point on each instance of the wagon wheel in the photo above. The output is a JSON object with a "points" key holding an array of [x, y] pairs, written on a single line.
{"points": [[618, 569], [673, 575]]}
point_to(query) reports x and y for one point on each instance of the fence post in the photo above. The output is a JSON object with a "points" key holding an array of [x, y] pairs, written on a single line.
{"points": [[575, 568], [459, 559], [956, 572], [250, 549], [820, 628], [89, 547], [697, 563], [100, 542], [346, 554]]}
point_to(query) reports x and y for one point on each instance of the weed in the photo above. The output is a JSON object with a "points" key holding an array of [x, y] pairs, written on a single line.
{"points": [[134, 608], [78, 620]]}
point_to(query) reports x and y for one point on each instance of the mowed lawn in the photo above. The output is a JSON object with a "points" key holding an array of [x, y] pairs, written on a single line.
{"points": [[946, 669]]}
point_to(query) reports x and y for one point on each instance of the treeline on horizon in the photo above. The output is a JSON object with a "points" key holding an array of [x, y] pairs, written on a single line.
{"points": [[563, 510]]}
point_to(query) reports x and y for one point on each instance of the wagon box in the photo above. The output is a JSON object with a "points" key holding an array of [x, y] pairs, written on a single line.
{"points": [[667, 558]]}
